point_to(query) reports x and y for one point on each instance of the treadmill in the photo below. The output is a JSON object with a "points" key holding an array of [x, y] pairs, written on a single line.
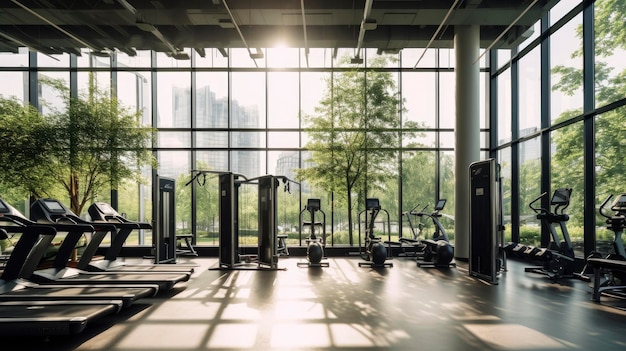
{"points": [[50, 317], [15, 288], [103, 213], [52, 212]]}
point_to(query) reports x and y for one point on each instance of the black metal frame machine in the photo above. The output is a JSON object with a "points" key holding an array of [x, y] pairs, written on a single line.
{"points": [[315, 245], [373, 250]]}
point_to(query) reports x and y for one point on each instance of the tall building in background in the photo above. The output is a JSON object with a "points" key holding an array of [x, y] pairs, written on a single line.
{"points": [[213, 113]]}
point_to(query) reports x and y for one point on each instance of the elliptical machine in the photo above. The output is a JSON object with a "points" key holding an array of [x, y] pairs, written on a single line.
{"points": [[557, 259], [315, 246], [435, 252], [373, 249], [616, 223]]}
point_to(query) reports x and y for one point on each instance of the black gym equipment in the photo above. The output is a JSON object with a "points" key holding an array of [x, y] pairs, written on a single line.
{"points": [[487, 259], [609, 271], [315, 246], [436, 251], [103, 213], [53, 212], [556, 260], [14, 285], [230, 257], [164, 216], [372, 249]]}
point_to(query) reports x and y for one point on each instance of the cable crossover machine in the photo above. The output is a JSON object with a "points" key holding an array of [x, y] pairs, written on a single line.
{"points": [[230, 257]]}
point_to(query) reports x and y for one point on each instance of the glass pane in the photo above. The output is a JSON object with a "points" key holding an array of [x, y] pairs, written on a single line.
{"points": [[609, 52], [284, 163], [57, 60], [506, 171], [283, 57], [248, 100], [213, 58], [211, 100], [174, 140], [18, 89], [283, 100], [212, 160], [249, 163], [447, 105], [99, 80], [421, 139], [344, 58], [418, 188], [141, 59], [283, 140], [411, 56], [173, 99], [531, 34], [90, 59], [610, 171], [247, 139], [530, 189], [567, 165], [10, 59], [373, 58], [134, 91], [207, 211], [49, 98], [313, 85], [504, 57], [446, 179], [566, 64], [446, 140], [446, 58], [211, 139], [240, 57], [318, 57], [504, 107], [529, 99], [175, 165], [418, 90], [166, 60], [561, 8]]}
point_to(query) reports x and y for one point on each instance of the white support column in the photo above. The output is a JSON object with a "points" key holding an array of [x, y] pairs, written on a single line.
{"points": [[467, 129]]}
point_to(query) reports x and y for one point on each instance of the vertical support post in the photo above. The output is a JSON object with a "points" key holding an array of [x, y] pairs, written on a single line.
{"points": [[467, 136]]}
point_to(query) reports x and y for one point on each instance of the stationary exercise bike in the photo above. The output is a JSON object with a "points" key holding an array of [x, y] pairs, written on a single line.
{"points": [[315, 246], [437, 251], [373, 250]]}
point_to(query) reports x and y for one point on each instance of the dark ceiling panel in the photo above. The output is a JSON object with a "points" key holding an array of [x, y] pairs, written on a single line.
{"points": [[172, 25]]}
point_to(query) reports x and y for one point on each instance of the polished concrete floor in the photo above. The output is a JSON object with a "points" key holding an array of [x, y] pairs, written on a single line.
{"points": [[347, 307]]}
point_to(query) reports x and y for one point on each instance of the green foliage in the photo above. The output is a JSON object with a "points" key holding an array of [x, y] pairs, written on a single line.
{"points": [[351, 135], [91, 144], [610, 130]]}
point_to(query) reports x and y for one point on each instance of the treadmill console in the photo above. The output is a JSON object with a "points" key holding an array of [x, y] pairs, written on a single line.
{"points": [[53, 206], [102, 211]]}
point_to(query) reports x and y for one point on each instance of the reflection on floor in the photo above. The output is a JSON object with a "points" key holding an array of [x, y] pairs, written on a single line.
{"points": [[345, 307]]}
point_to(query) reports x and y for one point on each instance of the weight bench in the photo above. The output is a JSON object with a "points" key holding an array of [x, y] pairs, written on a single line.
{"points": [[187, 249], [599, 265]]}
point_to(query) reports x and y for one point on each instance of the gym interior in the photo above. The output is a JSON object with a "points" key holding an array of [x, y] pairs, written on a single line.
{"points": [[488, 214]]}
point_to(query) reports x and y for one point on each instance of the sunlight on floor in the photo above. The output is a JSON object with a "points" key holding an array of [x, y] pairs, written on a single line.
{"points": [[515, 337]]}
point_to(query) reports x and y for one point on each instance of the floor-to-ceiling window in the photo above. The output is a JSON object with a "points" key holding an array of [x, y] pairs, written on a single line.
{"points": [[570, 100], [230, 113]]}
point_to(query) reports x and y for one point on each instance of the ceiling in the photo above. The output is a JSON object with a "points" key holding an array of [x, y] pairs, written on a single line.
{"points": [[57, 26]]}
